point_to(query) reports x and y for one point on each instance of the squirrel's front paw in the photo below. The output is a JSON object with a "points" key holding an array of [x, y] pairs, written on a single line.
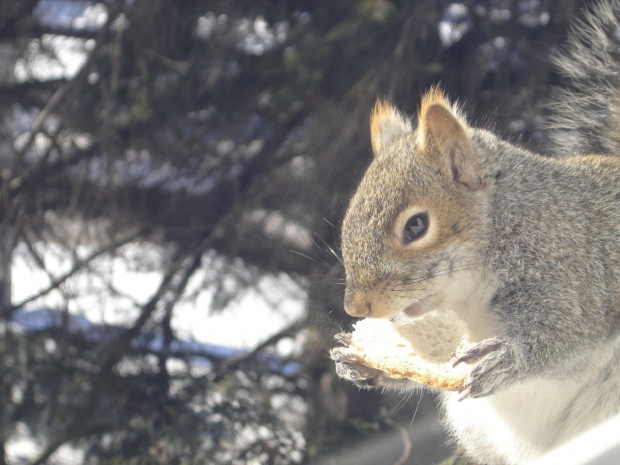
{"points": [[349, 369], [495, 368]]}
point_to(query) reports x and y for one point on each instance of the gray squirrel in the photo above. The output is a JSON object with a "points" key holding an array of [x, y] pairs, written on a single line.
{"points": [[524, 248]]}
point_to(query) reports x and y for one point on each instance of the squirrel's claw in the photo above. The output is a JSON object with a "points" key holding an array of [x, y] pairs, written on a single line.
{"points": [[495, 369], [343, 338], [348, 368], [481, 350]]}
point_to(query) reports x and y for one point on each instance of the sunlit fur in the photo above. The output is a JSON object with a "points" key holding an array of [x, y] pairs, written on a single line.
{"points": [[386, 125], [584, 112], [531, 256], [435, 96]]}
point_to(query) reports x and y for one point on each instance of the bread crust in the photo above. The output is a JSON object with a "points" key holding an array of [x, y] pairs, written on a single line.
{"points": [[423, 349]]}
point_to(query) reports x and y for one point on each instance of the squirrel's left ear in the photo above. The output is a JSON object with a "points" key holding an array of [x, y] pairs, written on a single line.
{"points": [[386, 125], [442, 134]]}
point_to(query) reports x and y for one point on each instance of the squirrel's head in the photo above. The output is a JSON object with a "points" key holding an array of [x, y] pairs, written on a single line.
{"points": [[413, 211]]}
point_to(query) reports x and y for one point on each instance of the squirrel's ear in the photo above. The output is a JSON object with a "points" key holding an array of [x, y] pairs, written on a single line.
{"points": [[386, 125], [440, 129]]}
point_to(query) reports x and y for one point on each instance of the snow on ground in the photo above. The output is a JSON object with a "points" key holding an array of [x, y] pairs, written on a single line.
{"points": [[23, 447], [115, 287]]}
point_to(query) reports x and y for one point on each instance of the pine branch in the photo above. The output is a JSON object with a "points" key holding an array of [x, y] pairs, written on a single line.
{"points": [[78, 427], [78, 265]]}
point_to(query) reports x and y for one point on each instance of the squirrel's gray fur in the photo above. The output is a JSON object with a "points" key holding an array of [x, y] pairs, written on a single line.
{"points": [[524, 247], [586, 110]]}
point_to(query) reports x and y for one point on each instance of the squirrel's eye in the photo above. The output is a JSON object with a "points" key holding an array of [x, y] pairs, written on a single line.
{"points": [[415, 227]]}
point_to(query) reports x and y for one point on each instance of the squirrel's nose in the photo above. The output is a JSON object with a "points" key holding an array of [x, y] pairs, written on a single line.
{"points": [[356, 304]]}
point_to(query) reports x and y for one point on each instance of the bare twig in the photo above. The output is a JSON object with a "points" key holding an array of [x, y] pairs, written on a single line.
{"points": [[288, 331], [77, 266]]}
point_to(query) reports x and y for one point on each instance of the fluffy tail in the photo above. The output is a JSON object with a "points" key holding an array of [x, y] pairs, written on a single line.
{"points": [[585, 115]]}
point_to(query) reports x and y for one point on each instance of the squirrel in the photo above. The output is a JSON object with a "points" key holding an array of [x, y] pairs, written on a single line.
{"points": [[524, 247]]}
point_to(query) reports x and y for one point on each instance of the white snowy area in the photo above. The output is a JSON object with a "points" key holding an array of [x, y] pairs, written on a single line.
{"points": [[114, 287], [22, 447]]}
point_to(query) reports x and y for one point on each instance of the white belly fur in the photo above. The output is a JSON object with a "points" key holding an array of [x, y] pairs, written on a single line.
{"points": [[532, 417]]}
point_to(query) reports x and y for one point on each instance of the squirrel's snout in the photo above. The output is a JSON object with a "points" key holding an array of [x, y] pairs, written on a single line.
{"points": [[360, 311], [356, 304]]}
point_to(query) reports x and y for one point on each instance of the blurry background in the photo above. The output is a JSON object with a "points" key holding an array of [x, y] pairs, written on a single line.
{"points": [[173, 175]]}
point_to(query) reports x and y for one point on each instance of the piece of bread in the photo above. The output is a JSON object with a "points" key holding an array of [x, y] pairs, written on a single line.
{"points": [[424, 349]]}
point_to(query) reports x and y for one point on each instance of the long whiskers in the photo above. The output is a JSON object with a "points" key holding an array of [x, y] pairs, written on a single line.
{"points": [[330, 248], [401, 403], [316, 260], [416, 407], [405, 282]]}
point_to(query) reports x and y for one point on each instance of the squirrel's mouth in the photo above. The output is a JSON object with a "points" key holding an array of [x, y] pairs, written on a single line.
{"points": [[419, 306]]}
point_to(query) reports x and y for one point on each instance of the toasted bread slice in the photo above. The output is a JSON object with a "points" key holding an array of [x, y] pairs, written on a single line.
{"points": [[424, 349]]}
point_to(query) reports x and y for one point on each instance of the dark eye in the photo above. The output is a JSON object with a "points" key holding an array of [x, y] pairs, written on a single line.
{"points": [[415, 227]]}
